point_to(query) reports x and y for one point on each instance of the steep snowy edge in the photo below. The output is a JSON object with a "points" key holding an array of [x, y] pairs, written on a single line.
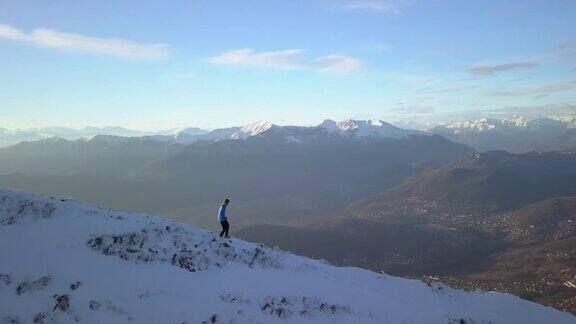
{"points": [[64, 261]]}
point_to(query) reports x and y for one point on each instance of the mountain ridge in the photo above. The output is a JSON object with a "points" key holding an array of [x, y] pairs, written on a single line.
{"points": [[516, 134]]}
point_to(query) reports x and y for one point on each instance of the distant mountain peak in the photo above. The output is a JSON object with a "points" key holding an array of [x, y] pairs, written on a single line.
{"points": [[569, 119], [192, 131], [512, 122], [518, 120], [105, 128], [329, 125], [366, 128], [483, 124], [253, 129], [517, 134], [350, 123]]}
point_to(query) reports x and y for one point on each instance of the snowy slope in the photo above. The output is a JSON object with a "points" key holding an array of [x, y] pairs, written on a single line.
{"points": [[253, 129], [63, 261], [366, 129], [221, 134]]}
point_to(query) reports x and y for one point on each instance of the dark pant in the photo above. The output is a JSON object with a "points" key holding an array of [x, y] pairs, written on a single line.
{"points": [[225, 227]]}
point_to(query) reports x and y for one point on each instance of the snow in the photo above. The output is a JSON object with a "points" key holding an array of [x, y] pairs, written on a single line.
{"points": [[349, 127], [512, 123], [366, 129], [221, 134], [252, 130], [107, 139], [479, 125], [64, 261], [569, 120]]}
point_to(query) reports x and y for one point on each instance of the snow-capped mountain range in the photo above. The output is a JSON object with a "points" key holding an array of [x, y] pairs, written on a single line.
{"points": [[517, 134], [366, 128], [64, 261], [352, 128], [511, 123], [569, 120], [467, 132]]}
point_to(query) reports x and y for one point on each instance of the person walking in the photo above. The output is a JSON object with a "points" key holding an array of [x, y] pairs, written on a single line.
{"points": [[223, 219]]}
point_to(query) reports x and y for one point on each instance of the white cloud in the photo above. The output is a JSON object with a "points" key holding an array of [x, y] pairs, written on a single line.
{"points": [[394, 6], [491, 68], [338, 63], [9, 32], [287, 59], [534, 90], [52, 38]]}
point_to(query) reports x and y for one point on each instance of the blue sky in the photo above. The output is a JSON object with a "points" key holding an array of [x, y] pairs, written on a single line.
{"points": [[163, 64]]}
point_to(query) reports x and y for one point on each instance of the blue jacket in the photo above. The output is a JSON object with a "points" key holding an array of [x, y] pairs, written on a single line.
{"points": [[222, 213]]}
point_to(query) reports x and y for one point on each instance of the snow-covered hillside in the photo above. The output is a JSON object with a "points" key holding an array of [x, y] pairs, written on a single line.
{"points": [[222, 134], [253, 129], [366, 128], [63, 261]]}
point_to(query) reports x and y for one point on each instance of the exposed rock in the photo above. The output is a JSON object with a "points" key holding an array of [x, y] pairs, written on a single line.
{"points": [[75, 285], [181, 249], [62, 303], [29, 286]]}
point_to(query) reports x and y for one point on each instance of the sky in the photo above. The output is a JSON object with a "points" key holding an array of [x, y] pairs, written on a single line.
{"points": [[153, 65]]}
